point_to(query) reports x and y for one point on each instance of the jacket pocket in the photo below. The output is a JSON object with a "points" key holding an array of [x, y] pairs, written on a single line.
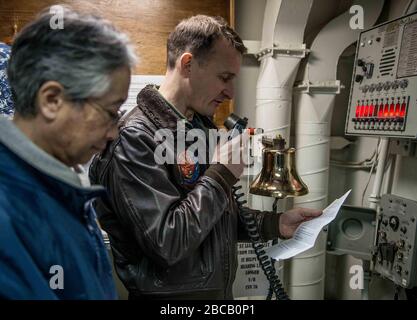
{"points": [[192, 270]]}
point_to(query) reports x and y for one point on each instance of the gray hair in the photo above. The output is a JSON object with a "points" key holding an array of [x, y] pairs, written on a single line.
{"points": [[81, 57]]}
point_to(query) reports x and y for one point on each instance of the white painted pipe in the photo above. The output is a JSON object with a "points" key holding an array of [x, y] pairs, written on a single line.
{"points": [[306, 272], [284, 24], [375, 195], [397, 168], [313, 112], [283, 27]]}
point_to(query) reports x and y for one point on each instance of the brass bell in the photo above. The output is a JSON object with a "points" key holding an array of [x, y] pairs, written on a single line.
{"points": [[278, 177]]}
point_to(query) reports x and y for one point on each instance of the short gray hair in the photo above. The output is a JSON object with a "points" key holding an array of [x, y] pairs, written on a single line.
{"points": [[81, 57]]}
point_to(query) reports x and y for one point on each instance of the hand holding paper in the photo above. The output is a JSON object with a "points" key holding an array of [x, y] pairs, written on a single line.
{"points": [[306, 233], [290, 220]]}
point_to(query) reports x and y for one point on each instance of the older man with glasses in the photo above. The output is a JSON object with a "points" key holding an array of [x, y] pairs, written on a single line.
{"points": [[68, 85]]}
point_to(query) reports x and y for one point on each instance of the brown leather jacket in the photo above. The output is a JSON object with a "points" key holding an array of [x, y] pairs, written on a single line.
{"points": [[172, 236]]}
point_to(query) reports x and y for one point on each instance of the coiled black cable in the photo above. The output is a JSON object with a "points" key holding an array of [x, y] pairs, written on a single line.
{"points": [[266, 263]]}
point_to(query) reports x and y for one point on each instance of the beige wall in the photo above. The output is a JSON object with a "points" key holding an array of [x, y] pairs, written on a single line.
{"points": [[147, 22]]}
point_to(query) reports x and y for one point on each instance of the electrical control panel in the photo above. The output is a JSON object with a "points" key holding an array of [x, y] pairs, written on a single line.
{"points": [[383, 96], [394, 253]]}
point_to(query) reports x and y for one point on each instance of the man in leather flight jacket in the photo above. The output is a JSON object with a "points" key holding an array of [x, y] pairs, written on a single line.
{"points": [[174, 228]]}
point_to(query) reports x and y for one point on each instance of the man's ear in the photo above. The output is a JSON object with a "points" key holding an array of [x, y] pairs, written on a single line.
{"points": [[50, 99], [185, 64]]}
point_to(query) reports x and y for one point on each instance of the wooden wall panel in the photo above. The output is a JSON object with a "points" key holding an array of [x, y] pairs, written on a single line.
{"points": [[148, 23]]}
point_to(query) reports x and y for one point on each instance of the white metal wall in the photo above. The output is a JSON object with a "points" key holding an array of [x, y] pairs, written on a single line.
{"points": [[249, 15]]}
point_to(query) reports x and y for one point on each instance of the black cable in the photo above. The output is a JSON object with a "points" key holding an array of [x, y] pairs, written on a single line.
{"points": [[274, 242], [397, 292], [270, 290], [266, 263]]}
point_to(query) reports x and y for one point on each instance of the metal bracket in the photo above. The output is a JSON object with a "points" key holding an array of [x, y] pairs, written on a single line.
{"points": [[403, 147], [323, 87], [287, 50]]}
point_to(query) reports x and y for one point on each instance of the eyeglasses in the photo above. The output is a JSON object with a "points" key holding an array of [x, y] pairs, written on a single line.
{"points": [[113, 118]]}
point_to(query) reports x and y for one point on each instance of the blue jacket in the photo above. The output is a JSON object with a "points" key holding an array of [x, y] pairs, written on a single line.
{"points": [[50, 244]]}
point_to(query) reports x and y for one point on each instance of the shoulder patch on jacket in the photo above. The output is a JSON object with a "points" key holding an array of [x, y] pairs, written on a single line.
{"points": [[189, 167]]}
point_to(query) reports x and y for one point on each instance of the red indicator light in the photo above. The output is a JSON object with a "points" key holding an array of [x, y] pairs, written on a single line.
{"points": [[357, 111], [381, 111], [365, 114], [391, 110], [385, 110], [371, 110], [402, 112], [397, 110]]}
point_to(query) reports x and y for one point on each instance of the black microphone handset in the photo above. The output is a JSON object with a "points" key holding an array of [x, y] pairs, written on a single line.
{"points": [[236, 126]]}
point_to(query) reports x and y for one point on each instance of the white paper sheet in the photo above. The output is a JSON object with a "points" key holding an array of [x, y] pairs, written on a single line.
{"points": [[306, 234]]}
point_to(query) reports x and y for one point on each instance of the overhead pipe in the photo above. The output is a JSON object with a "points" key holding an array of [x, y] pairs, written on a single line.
{"points": [[281, 50], [283, 34], [375, 196], [305, 273]]}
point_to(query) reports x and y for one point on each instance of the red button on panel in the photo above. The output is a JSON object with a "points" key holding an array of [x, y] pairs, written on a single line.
{"points": [[381, 111], [391, 110], [403, 107], [371, 110], [385, 110], [397, 109]]}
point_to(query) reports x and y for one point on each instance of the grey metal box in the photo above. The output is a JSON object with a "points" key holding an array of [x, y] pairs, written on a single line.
{"points": [[352, 232]]}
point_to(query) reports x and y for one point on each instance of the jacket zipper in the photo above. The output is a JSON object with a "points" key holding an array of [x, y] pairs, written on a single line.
{"points": [[228, 253]]}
